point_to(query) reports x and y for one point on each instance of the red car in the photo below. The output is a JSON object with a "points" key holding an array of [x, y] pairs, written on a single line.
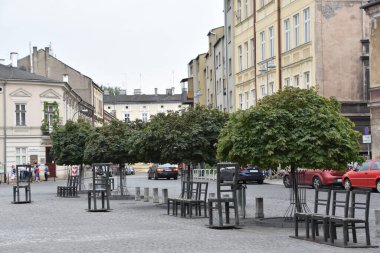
{"points": [[366, 175], [316, 178]]}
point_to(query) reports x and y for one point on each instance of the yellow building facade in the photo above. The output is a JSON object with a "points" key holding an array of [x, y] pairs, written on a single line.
{"points": [[244, 54]]}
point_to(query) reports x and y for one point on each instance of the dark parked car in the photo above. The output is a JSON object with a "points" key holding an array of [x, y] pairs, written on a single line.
{"points": [[163, 171], [316, 178], [250, 174]]}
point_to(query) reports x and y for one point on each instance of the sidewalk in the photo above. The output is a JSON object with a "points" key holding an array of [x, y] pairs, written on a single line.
{"points": [[52, 224]]}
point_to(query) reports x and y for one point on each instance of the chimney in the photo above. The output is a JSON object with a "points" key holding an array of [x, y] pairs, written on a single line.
{"points": [[169, 92], [65, 78], [137, 92], [34, 59], [123, 92], [172, 90], [14, 59], [47, 61], [155, 91]]}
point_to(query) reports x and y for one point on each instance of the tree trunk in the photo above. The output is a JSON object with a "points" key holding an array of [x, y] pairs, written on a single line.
{"points": [[80, 177], [294, 177], [121, 172]]}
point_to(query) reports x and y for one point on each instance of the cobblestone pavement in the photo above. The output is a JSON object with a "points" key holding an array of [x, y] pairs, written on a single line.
{"points": [[52, 224]]}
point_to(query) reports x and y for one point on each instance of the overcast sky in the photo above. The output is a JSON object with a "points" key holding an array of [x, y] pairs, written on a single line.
{"points": [[114, 41]]}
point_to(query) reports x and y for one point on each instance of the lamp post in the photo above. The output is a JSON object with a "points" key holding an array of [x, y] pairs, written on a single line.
{"points": [[83, 110], [265, 69]]}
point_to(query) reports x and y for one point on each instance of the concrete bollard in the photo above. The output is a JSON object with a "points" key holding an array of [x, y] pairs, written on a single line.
{"points": [[155, 195], [165, 196], [146, 194], [377, 222], [137, 194], [259, 208]]}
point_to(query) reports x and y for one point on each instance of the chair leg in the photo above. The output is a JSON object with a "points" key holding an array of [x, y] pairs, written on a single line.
{"points": [[325, 230], [354, 239], [295, 225], [367, 237], [345, 233], [307, 227], [210, 213], [331, 232]]}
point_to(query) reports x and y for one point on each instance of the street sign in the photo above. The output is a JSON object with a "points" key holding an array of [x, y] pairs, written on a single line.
{"points": [[366, 130], [367, 138]]}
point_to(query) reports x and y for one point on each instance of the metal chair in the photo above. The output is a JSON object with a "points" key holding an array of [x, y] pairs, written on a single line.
{"points": [[321, 200], [350, 221]]}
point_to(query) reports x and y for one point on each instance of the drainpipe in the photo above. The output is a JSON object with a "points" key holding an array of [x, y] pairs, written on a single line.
{"points": [[226, 56], [255, 48], [5, 131], [279, 41]]}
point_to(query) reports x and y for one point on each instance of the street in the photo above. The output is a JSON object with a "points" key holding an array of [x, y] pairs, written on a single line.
{"points": [[52, 224]]}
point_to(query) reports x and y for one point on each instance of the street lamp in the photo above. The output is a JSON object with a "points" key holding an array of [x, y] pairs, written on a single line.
{"points": [[265, 69], [83, 110]]}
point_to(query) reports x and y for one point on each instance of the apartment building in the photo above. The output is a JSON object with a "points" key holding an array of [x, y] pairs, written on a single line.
{"points": [[229, 42], [197, 78], [313, 43], [244, 54], [140, 106], [31, 106], [220, 82], [213, 36], [42, 63], [373, 11]]}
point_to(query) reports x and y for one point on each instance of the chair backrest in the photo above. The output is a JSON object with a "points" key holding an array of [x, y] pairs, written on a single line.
{"points": [[360, 200], [340, 200], [184, 189], [193, 193], [202, 191], [322, 199]]}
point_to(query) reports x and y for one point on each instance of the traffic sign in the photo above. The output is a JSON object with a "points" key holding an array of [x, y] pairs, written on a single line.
{"points": [[367, 138], [366, 130]]}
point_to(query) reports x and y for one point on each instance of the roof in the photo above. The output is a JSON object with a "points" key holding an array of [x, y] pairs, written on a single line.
{"points": [[159, 98], [370, 3], [11, 73]]}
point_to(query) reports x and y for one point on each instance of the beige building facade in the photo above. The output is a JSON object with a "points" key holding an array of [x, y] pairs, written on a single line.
{"points": [[373, 11], [31, 105]]}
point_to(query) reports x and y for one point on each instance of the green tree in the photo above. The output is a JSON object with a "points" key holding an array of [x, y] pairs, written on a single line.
{"points": [[69, 142], [109, 143], [295, 128]]}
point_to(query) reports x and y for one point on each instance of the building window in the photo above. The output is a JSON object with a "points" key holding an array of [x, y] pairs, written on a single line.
{"points": [[144, 107], [229, 35], [191, 70], [246, 9], [297, 81], [229, 66], [238, 11], [262, 43], [296, 25], [162, 106], [145, 117], [247, 100], [207, 72], [271, 41], [271, 88], [109, 107], [252, 52], [240, 50], [287, 34], [253, 97], [20, 114], [220, 59], [306, 78], [20, 155], [49, 116], [231, 100], [216, 61], [240, 101], [306, 18], [127, 117], [246, 54], [126, 107], [287, 82], [262, 90]]}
